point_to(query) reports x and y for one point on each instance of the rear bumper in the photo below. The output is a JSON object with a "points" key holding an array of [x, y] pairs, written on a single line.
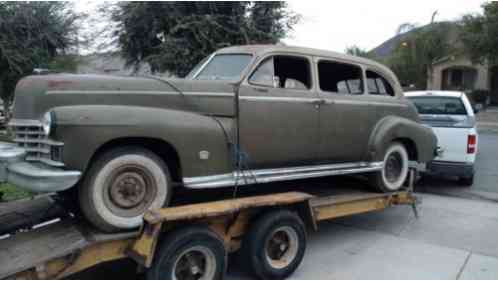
{"points": [[35, 177], [465, 170]]}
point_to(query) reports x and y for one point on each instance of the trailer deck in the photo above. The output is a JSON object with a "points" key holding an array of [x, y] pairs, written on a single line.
{"points": [[67, 244]]}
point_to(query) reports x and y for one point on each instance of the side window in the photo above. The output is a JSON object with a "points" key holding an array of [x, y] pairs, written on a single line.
{"points": [[378, 85], [340, 78], [263, 75], [286, 72]]}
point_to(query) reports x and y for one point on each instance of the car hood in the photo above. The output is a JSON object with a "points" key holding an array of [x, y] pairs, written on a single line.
{"points": [[36, 95]]}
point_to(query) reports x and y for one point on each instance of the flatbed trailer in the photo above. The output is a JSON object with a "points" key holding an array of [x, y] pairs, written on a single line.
{"points": [[187, 241]]}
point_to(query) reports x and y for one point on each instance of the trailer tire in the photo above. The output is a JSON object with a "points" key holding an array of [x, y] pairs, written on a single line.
{"points": [[121, 185], [194, 246], [261, 245]]}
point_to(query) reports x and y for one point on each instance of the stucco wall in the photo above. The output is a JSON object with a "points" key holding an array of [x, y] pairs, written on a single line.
{"points": [[482, 80]]}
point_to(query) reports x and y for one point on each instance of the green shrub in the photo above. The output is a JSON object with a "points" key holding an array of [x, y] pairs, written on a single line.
{"points": [[9, 192]]}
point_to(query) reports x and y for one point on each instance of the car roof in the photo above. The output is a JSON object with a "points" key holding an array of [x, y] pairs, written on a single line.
{"points": [[453, 94], [264, 49]]}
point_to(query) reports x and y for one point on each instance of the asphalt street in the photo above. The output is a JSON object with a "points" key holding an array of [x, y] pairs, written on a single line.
{"points": [[486, 181]]}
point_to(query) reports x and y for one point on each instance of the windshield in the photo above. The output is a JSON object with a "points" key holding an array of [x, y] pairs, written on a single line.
{"points": [[439, 105], [224, 67]]}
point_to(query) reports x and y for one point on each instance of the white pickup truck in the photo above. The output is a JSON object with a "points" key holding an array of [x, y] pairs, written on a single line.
{"points": [[451, 116]]}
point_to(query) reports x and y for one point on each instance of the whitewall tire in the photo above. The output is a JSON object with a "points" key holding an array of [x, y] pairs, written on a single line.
{"points": [[122, 185]]}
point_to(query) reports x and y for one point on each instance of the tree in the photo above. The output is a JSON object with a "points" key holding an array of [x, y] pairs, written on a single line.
{"points": [[479, 34], [420, 47], [357, 51], [31, 35], [174, 36]]}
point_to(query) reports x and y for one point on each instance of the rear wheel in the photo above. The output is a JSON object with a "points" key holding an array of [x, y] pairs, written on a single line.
{"points": [[192, 253], [394, 171], [122, 185]]}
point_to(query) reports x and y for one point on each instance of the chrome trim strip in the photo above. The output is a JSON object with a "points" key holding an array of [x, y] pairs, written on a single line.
{"points": [[284, 99], [210, 94], [25, 122], [364, 102], [283, 174], [104, 92]]}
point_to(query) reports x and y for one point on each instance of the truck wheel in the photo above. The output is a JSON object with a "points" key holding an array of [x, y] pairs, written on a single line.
{"points": [[275, 245], [121, 185], [395, 169], [191, 253]]}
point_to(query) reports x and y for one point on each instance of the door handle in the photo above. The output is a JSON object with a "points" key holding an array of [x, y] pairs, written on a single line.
{"points": [[261, 90], [318, 102]]}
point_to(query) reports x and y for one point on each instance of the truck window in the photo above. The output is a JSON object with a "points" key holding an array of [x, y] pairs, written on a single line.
{"points": [[340, 78], [288, 72], [378, 85], [439, 105]]}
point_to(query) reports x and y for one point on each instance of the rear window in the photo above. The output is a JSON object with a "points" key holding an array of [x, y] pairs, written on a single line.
{"points": [[439, 105]]}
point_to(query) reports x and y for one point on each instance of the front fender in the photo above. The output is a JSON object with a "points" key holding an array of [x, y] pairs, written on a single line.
{"points": [[391, 128], [85, 128]]}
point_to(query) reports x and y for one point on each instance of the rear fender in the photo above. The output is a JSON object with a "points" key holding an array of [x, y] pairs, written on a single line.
{"points": [[391, 128]]}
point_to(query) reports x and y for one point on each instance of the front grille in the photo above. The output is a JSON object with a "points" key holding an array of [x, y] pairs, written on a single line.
{"points": [[29, 135]]}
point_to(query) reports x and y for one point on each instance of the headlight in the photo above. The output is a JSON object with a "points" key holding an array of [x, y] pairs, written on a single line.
{"points": [[47, 122]]}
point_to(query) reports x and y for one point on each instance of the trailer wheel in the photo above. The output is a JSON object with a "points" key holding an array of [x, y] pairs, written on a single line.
{"points": [[191, 253], [275, 245]]}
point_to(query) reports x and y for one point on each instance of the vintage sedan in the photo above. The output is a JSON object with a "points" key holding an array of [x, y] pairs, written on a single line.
{"points": [[244, 115]]}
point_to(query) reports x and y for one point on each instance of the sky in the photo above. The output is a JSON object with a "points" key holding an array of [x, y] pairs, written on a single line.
{"points": [[337, 24]]}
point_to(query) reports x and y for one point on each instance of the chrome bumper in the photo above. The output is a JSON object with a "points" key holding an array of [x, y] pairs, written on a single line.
{"points": [[35, 177]]}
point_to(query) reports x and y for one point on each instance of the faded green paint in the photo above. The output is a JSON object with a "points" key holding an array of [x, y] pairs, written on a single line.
{"points": [[93, 110]]}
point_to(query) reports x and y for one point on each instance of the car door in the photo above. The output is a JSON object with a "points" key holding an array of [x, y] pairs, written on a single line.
{"points": [[278, 123], [346, 117]]}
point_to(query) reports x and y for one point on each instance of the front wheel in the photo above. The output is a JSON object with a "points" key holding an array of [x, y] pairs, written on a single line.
{"points": [[394, 170], [121, 185]]}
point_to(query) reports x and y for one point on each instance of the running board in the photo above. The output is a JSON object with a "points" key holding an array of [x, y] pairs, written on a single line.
{"points": [[247, 177]]}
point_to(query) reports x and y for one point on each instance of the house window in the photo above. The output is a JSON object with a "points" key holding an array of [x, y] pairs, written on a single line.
{"points": [[287, 72], [340, 78], [457, 77], [378, 85]]}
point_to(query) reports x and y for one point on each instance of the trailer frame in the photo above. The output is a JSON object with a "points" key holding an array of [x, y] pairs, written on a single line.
{"points": [[80, 246]]}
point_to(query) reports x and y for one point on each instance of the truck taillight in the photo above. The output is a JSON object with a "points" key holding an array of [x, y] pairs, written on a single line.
{"points": [[471, 144]]}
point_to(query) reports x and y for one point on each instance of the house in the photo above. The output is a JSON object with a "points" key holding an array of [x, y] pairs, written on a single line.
{"points": [[458, 72], [454, 72]]}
